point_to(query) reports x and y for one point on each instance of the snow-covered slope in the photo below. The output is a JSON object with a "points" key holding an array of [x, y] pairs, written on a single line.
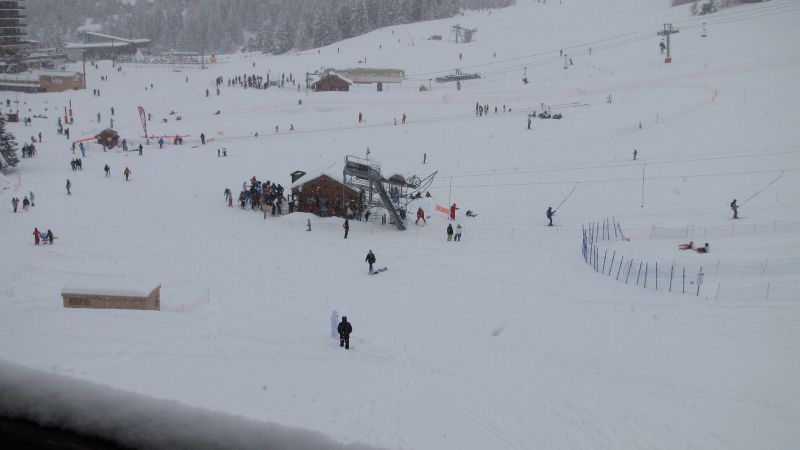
{"points": [[505, 340]]}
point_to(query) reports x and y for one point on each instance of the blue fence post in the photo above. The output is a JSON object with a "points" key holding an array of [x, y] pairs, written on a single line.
{"points": [[629, 271], [699, 280], [645, 275], [639, 274], [656, 275], [671, 271]]}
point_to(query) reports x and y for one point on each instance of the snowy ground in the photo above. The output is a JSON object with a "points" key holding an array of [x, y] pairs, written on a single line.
{"points": [[506, 340]]}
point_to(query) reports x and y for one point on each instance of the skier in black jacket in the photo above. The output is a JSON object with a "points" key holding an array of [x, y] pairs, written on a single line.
{"points": [[370, 259], [344, 329]]}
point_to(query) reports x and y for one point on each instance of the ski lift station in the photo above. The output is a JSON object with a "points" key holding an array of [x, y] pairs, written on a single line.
{"points": [[362, 184]]}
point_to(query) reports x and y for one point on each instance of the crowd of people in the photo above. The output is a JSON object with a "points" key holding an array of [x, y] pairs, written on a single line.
{"points": [[266, 195], [255, 81]]}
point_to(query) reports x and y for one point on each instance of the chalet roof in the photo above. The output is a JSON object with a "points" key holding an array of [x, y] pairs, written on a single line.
{"points": [[334, 74], [115, 38], [333, 171], [98, 45]]}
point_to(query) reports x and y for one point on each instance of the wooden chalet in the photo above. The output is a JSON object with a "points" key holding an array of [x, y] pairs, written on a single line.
{"points": [[324, 196], [108, 137], [332, 82]]}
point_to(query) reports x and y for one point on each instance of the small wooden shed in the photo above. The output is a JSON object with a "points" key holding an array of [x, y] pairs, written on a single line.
{"points": [[331, 82], [324, 196], [108, 137], [112, 298]]}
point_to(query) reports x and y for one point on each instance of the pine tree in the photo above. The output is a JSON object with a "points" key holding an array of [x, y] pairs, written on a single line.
{"points": [[8, 146]]}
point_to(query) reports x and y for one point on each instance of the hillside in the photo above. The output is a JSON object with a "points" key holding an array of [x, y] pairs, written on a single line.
{"points": [[506, 340]]}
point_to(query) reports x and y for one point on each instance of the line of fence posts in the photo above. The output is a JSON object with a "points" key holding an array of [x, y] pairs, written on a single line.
{"points": [[598, 231]]}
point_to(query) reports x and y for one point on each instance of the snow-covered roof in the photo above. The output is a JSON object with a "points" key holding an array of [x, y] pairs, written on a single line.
{"points": [[114, 292], [97, 45], [59, 73], [333, 170], [115, 38], [89, 27]]}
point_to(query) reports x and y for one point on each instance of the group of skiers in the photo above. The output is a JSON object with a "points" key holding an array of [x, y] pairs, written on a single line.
{"points": [[267, 195], [39, 237], [483, 110], [254, 81], [25, 203], [28, 150], [451, 236]]}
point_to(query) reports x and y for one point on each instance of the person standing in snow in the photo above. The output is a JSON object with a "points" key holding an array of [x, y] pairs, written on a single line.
{"points": [[635, 153], [69, 185], [50, 236], [161, 142], [449, 232], [25, 203], [453, 209], [735, 209], [108, 170], [459, 230], [371, 260], [15, 203], [344, 330], [203, 138], [127, 173], [32, 198], [421, 215], [360, 117], [140, 149], [550, 213], [346, 227], [36, 236], [334, 323]]}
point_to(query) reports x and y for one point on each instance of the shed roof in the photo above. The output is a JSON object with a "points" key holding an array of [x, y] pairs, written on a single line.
{"points": [[333, 171]]}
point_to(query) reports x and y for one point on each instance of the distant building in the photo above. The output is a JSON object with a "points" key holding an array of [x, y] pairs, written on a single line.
{"points": [[104, 46], [324, 194], [41, 81], [370, 76], [332, 82], [12, 35]]}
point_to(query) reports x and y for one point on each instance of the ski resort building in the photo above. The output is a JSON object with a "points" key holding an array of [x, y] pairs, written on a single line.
{"points": [[42, 81], [332, 82], [103, 46], [112, 298], [12, 34], [372, 76], [324, 195]]}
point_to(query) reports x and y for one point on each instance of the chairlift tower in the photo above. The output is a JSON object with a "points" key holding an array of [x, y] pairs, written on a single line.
{"points": [[465, 34], [393, 193], [667, 32]]}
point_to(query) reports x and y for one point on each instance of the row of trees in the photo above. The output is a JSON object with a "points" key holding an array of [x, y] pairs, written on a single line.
{"points": [[227, 25], [700, 7], [8, 146]]}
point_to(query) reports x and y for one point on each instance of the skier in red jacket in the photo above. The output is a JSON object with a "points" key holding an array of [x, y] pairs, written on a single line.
{"points": [[420, 215], [453, 209]]}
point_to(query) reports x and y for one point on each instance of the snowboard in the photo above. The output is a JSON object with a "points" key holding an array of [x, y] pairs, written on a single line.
{"points": [[377, 271]]}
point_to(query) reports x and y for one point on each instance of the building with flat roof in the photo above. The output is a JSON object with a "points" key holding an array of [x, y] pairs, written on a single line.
{"points": [[103, 46]]}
